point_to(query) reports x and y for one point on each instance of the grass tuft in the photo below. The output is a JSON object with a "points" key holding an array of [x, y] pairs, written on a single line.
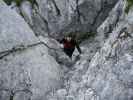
{"points": [[18, 2], [81, 36], [129, 5]]}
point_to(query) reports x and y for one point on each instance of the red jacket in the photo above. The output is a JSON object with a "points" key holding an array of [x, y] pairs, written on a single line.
{"points": [[70, 44]]}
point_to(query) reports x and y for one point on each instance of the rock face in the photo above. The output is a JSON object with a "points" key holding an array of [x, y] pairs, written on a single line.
{"points": [[26, 71], [58, 17], [104, 70], [110, 71], [108, 76], [73, 15], [26, 10]]}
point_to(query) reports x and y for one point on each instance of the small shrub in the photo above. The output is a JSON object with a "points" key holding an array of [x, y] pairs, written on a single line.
{"points": [[81, 36], [18, 2], [84, 36], [129, 5], [8, 2]]}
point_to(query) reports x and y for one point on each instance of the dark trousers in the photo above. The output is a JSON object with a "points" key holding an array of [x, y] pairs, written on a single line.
{"points": [[69, 51]]}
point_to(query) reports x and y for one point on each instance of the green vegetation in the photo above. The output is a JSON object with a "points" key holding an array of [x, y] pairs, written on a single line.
{"points": [[80, 37], [84, 36], [8, 2], [18, 2], [129, 5]]}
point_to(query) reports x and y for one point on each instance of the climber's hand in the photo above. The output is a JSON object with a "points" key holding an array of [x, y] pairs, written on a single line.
{"points": [[61, 46]]}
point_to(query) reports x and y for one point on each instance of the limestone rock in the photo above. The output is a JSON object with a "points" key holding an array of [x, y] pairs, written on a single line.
{"points": [[27, 71], [58, 17]]}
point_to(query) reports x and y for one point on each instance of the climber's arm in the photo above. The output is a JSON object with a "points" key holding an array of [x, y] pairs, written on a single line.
{"points": [[62, 41]]}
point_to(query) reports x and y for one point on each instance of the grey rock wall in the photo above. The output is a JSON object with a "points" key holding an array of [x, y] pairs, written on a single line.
{"points": [[73, 15], [58, 17], [108, 76], [26, 71], [104, 70]]}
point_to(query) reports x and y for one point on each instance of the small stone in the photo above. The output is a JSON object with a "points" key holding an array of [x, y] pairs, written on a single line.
{"points": [[62, 92]]}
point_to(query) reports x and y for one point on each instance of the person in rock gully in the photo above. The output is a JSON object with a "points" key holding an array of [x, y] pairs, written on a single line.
{"points": [[69, 45]]}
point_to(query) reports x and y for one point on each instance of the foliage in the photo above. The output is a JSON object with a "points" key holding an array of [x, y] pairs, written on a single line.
{"points": [[8, 2], [129, 5], [18, 2], [81, 36], [84, 36]]}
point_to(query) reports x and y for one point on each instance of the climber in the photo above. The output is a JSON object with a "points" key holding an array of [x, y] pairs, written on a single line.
{"points": [[69, 44]]}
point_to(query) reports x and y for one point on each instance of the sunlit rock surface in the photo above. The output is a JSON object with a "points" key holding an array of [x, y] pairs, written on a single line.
{"points": [[103, 71], [108, 75], [58, 17], [55, 17], [12, 33], [26, 10], [27, 71]]}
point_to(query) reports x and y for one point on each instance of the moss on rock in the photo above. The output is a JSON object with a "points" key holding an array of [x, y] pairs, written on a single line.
{"points": [[129, 5], [8, 2], [18, 2], [80, 37]]}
